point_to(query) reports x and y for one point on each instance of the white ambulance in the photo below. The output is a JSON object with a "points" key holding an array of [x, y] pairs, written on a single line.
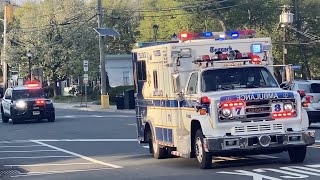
{"points": [[214, 94]]}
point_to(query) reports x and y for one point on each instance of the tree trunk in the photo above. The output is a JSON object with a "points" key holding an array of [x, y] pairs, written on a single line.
{"points": [[220, 18], [55, 89], [306, 73]]}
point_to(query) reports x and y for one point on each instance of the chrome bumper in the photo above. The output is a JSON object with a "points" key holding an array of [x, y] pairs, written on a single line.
{"points": [[259, 142]]}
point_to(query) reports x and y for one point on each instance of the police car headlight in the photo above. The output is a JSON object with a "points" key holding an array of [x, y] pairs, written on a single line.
{"points": [[226, 112], [49, 102], [288, 107], [21, 105]]}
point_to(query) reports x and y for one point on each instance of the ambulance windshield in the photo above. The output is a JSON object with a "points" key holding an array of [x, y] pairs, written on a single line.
{"points": [[237, 78]]}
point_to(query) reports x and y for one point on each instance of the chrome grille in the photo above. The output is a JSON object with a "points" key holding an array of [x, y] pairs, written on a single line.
{"points": [[258, 128]]}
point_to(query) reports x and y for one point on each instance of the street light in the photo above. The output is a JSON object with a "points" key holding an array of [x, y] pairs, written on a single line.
{"points": [[29, 55]]}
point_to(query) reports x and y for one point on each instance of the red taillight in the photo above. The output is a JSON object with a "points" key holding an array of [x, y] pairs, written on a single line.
{"points": [[233, 104], [40, 102], [279, 115], [309, 99], [205, 100]]}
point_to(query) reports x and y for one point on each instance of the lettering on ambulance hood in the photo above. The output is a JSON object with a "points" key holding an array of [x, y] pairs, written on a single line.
{"points": [[258, 96], [224, 49]]}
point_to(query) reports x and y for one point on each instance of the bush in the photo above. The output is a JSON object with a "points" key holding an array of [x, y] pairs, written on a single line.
{"points": [[113, 92]]}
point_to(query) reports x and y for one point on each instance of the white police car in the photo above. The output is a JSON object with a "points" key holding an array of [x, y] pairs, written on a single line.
{"points": [[26, 103]]}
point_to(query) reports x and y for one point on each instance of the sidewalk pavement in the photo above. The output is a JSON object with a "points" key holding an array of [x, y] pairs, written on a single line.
{"points": [[91, 107]]}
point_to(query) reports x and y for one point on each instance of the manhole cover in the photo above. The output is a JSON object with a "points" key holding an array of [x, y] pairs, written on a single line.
{"points": [[10, 172]]}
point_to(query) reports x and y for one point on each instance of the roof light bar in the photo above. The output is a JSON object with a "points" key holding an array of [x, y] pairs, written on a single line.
{"points": [[217, 35]]}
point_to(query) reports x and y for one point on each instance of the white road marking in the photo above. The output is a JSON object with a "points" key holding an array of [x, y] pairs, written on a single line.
{"points": [[34, 165], [317, 141], [227, 158], [36, 157], [84, 140], [79, 155], [262, 156], [57, 172], [32, 151], [97, 116], [14, 141], [147, 147], [133, 124], [37, 145]]}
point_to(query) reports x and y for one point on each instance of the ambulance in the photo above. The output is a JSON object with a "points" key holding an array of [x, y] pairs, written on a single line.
{"points": [[214, 94]]}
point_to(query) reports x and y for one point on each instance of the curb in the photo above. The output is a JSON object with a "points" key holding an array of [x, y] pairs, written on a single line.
{"points": [[92, 108]]}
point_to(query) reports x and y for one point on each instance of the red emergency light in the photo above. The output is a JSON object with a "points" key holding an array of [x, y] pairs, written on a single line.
{"points": [[32, 84]]}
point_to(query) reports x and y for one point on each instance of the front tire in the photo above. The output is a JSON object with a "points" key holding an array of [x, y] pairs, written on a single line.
{"points": [[297, 154], [52, 118], [5, 119], [203, 158]]}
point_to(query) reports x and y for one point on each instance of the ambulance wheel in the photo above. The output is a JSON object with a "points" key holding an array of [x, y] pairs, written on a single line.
{"points": [[203, 158], [157, 151], [297, 154], [5, 119]]}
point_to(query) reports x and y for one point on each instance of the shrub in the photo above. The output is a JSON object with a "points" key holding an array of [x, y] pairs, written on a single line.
{"points": [[113, 92]]}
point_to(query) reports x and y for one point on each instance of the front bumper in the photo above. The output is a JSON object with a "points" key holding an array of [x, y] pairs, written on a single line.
{"points": [[256, 143], [41, 113]]}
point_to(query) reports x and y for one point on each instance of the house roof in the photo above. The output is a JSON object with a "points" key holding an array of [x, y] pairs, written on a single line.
{"points": [[118, 56]]}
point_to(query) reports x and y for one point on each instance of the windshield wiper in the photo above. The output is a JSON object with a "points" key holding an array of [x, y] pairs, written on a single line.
{"points": [[252, 86], [227, 87]]}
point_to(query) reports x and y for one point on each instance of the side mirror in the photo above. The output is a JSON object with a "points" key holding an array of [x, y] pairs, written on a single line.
{"points": [[302, 93]]}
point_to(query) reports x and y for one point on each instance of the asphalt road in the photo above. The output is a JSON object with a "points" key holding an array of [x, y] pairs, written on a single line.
{"points": [[84, 145]]}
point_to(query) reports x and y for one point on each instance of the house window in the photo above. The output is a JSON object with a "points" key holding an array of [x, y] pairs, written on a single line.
{"points": [[126, 78], [141, 71], [155, 79]]}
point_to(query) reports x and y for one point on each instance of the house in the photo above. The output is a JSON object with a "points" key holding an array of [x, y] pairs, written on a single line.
{"points": [[120, 69]]}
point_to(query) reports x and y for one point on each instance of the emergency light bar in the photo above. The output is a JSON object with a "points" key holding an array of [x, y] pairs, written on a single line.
{"points": [[217, 35], [229, 58]]}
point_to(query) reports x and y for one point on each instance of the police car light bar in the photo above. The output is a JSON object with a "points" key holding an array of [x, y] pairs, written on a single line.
{"points": [[217, 35]]}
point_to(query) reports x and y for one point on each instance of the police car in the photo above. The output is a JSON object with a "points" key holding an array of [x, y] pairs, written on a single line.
{"points": [[26, 103]]}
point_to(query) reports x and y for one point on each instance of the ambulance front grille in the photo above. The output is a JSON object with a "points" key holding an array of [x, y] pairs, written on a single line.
{"points": [[258, 128]]}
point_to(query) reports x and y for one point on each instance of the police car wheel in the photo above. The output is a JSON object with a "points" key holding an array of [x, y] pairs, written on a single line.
{"points": [[5, 119], [16, 121], [297, 154], [52, 118], [203, 158]]}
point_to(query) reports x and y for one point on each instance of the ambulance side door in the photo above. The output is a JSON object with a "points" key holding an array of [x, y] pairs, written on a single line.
{"points": [[191, 95]]}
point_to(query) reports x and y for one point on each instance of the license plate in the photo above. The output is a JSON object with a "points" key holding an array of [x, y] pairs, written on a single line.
{"points": [[277, 107], [36, 112]]}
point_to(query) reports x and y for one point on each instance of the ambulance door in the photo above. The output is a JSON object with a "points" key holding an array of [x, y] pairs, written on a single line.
{"points": [[191, 95]]}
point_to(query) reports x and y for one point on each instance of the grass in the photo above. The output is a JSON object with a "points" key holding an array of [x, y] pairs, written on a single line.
{"points": [[77, 99]]}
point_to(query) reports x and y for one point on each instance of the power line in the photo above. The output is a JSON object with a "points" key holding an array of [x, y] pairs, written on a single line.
{"points": [[172, 8]]}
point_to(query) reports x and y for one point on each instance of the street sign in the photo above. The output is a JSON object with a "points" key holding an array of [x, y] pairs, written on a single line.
{"points": [[85, 65]]}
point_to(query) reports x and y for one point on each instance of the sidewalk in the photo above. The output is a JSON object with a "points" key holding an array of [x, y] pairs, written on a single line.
{"points": [[90, 107]]}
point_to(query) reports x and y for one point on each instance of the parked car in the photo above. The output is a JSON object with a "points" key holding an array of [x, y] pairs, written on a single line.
{"points": [[310, 95]]}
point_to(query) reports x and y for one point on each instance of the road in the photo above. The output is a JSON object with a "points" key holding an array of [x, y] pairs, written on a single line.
{"points": [[93, 145]]}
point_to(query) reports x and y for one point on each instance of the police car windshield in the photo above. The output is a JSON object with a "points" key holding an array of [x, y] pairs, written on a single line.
{"points": [[28, 93], [237, 78]]}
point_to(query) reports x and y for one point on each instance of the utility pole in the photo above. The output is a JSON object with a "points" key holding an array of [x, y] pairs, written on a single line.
{"points": [[4, 54], [286, 18], [298, 23], [102, 56]]}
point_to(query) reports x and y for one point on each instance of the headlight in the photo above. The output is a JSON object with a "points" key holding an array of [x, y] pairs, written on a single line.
{"points": [[288, 107], [49, 102], [226, 112], [21, 105]]}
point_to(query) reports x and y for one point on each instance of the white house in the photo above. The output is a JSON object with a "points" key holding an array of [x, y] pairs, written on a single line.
{"points": [[120, 69]]}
